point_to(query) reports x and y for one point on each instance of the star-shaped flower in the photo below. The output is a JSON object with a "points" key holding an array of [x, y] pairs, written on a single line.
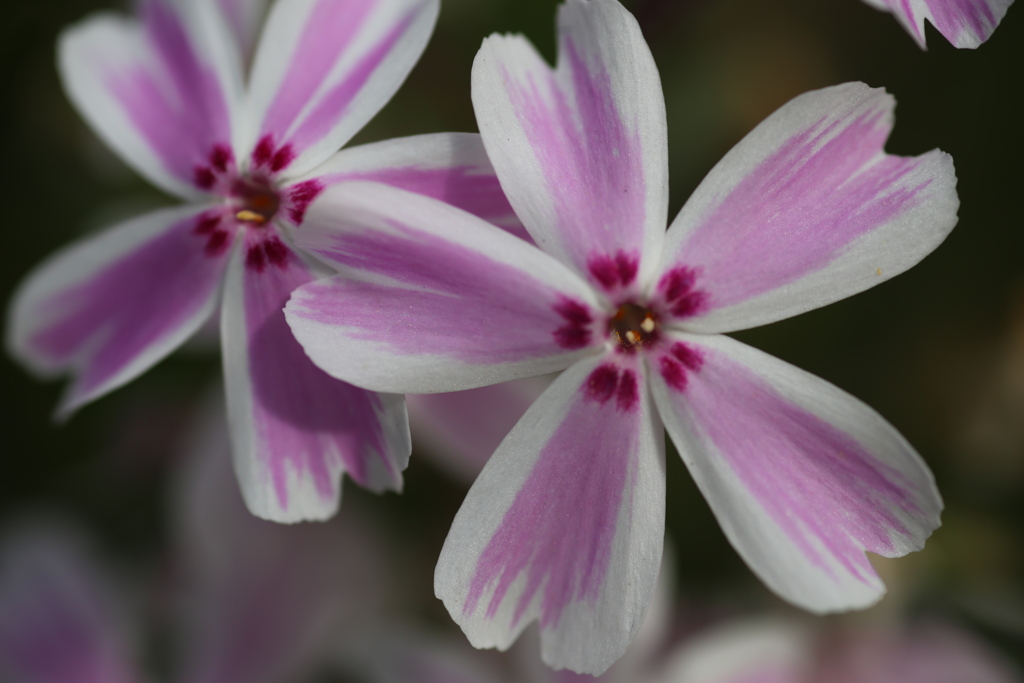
{"points": [[565, 523], [167, 93]]}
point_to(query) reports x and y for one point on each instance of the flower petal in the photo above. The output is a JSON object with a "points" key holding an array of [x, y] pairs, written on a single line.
{"points": [[160, 91], [323, 68], [565, 523], [803, 477], [806, 210], [56, 622], [452, 167], [461, 429], [294, 428], [431, 298], [109, 307], [581, 151], [965, 23]]}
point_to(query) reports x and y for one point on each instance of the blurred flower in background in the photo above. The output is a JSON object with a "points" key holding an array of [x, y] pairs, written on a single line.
{"points": [[244, 600]]}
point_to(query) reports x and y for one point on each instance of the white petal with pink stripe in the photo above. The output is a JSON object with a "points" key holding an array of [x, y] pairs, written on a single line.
{"points": [[581, 150], [803, 477], [162, 91], [415, 271], [111, 306], [323, 68], [565, 524], [296, 429], [805, 211]]}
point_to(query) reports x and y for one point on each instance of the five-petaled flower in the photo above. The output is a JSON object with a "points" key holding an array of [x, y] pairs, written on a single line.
{"points": [[167, 94], [964, 23], [565, 523]]}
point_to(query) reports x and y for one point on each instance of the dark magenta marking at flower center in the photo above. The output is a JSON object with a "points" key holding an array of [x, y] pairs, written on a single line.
{"points": [[633, 325], [676, 365], [679, 289], [607, 382], [210, 226], [614, 271], [266, 252], [268, 157], [575, 333], [300, 196], [220, 161]]}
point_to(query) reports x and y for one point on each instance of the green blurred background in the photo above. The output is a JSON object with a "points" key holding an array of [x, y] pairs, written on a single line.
{"points": [[939, 351]]}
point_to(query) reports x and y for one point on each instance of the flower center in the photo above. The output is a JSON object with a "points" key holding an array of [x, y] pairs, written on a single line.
{"points": [[257, 201], [633, 324]]}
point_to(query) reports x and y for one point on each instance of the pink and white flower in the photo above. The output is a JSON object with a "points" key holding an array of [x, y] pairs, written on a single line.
{"points": [[566, 521], [964, 23], [167, 93]]}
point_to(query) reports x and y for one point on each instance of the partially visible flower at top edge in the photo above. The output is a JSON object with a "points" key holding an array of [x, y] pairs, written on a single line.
{"points": [[566, 521], [964, 23], [167, 93]]}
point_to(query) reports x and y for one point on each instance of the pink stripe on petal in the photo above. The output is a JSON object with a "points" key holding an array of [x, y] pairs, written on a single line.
{"points": [[307, 425], [108, 316]]}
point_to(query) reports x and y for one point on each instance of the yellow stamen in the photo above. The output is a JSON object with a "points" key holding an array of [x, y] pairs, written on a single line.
{"points": [[251, 216]]}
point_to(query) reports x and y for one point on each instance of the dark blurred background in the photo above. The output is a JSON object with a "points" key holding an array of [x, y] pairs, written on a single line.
{"points": [[939, 351]]}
